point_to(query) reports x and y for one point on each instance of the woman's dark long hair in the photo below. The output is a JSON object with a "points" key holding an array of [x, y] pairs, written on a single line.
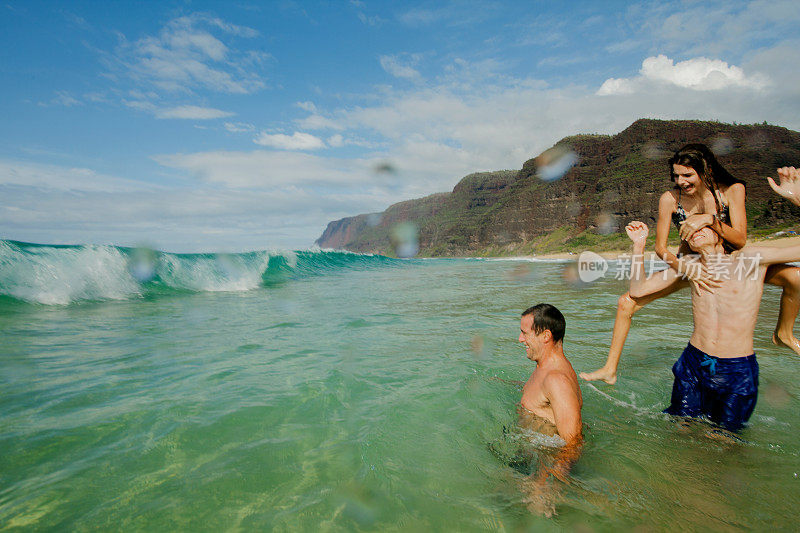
{"points": [[703, 161]]}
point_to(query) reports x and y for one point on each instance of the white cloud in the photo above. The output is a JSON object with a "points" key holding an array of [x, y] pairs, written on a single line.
{"points": [[268, 169], [186, 56], [617, 86], [141, 105], [192, 112], [307, 106], [728, 29], [370, 20], [62, 98], [699, 74], [181, 220], [393, 65], [296, 141], [54, 204], [59, 178], [318, 122], [782, 65], [239, 127], [66, 99]]}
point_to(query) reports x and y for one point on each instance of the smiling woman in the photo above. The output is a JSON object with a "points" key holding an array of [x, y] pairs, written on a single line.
{"points": [[706, 195]]}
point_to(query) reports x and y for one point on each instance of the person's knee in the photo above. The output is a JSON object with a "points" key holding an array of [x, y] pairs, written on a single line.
{"points": [[792, 276], [627, 305], [786, 277]]}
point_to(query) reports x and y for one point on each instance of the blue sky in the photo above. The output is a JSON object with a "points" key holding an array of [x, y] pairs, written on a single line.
{"points": [[211, 126]]}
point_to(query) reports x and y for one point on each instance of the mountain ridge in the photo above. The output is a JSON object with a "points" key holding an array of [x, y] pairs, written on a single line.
{"points": [[607, 181]]}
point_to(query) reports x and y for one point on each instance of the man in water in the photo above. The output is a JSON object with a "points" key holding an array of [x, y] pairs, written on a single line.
{"points": [[717, 374], [551, 396], [552, 392]]}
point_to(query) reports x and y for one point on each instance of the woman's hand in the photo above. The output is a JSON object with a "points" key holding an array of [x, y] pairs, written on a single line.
{"points": [[697, 273], [694, 223], [790, 184]]}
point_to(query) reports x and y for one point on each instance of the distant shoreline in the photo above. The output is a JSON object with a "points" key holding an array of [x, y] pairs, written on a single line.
{"points": [[779, 242]]}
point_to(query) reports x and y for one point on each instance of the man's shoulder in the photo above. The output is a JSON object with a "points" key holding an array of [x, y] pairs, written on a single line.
{"points": [[558, 378]]}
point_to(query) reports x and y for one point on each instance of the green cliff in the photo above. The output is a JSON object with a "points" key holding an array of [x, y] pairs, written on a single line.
{"points": [[609, 180]]}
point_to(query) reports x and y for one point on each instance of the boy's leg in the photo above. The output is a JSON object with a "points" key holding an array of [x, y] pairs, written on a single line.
{"points": [[687, 391], [737, 396]]}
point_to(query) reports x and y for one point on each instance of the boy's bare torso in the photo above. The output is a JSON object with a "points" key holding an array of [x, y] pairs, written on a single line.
{"points": [[725, 319]]}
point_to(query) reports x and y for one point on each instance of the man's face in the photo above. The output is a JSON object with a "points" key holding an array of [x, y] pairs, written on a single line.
{"points": [[528, 337], [702, 238]]}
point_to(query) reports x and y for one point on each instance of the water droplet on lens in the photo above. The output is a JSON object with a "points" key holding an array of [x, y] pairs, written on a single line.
{"points": [[552, 164], [605, 224], [722, 145], [655, 151], [405, 239]]}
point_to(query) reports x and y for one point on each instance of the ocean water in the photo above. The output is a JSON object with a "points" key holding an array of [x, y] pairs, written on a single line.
{"points": [[329, 391]]}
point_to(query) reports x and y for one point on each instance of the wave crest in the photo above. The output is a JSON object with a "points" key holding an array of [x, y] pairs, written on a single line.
{"points": [[57, 275]]}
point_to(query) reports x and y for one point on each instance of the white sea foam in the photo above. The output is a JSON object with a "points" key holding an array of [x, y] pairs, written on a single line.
{"points": [[216, 273], [530, 259], [62, 275]]}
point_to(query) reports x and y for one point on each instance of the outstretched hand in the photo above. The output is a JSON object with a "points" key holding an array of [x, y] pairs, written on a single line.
{"points": [[637, 231], [790, 184]]}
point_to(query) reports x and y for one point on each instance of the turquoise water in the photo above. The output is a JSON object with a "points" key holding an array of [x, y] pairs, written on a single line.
{"points": [[330, 391]]}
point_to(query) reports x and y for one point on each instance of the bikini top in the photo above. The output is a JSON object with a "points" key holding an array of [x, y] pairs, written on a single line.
{"points": [[680, 213]]}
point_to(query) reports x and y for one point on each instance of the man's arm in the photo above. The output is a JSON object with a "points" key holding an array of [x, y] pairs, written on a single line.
{"points": [[563, 398], [560, 392]]}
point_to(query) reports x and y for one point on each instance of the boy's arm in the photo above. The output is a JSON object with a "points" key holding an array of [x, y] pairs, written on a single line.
{"points": [[790, 184], [789, 188], [639, 285], [770, 255]]}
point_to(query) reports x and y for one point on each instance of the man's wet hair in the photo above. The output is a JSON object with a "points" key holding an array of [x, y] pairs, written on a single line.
{"points": [[546, 316]]}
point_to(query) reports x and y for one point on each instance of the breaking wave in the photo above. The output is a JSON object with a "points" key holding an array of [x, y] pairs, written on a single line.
{"points": [[55, 274]]}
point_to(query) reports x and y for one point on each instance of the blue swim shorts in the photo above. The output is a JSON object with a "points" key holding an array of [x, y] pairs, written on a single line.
{"points": [[723, 390]]}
